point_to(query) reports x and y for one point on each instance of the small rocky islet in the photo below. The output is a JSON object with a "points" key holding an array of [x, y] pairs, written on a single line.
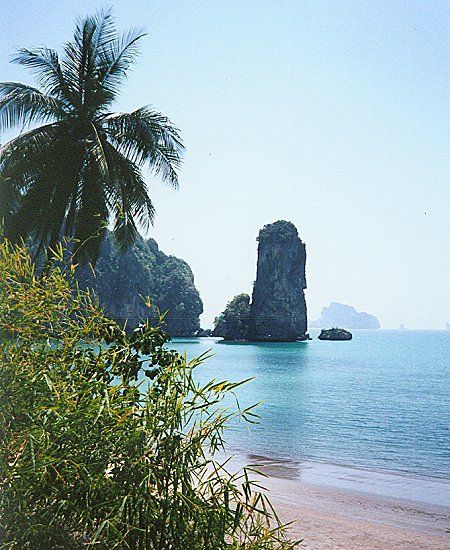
{"points": [[335, 334]]}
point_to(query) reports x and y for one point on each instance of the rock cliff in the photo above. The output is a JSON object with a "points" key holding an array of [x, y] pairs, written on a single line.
{"points": [[346, 317], [232, 323], [278, 308], [122, 280]]}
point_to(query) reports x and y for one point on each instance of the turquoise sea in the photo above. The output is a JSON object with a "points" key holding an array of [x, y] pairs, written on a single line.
{"points": [[379, 402]]}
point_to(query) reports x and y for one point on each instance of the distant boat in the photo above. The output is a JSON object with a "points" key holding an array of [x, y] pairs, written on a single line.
{"points": [[448, 326], [402, 327]]}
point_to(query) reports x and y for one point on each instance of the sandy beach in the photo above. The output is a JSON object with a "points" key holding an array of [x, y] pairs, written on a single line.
{"points": [[326, 518], [335, 517]]}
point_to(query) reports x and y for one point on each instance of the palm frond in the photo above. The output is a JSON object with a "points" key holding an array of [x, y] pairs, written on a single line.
{"points": [[36, 215], [79, 62], [125, 230], [116, 56], [53, 173], [131, 196], [44, 62], [9, 197], [24, 156], [90, 55], [165, 163], [105, 32], [21, 104], [95, 151], [147, 136]]}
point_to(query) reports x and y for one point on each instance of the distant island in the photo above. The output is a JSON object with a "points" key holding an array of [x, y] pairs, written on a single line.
{"points": [[276, 311], [346, 317]]}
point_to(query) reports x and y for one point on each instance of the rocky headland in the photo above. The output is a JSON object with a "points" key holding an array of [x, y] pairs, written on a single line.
{"points": [[122, 281]]}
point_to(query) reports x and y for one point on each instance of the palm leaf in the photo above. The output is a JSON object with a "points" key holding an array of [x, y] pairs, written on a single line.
{"points": [[53, 181], [9, 197], [116, 57], [23, 156], [131, 198], [21, 104], [147, 136], [45, 64]]}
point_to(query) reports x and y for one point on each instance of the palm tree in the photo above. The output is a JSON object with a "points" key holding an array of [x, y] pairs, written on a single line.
{"points": [[79, 166]]}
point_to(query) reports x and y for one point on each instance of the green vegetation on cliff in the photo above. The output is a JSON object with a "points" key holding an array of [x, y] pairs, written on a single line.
{"points": [[122, 281], [232, 323]]}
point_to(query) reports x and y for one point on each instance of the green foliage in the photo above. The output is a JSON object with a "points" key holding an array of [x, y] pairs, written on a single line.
{"points": [[232, 323], [120, 280], [83, 165], [90, 456], [278, 231]]}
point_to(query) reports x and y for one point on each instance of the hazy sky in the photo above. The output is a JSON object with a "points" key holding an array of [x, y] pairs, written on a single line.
{"points": [[330, 114]]}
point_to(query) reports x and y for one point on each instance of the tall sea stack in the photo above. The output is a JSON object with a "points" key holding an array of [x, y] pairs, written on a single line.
{"points": [[278, 308]]}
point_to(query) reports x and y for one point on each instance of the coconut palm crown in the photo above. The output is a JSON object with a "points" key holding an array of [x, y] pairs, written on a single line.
{"points": [[76, 166]]}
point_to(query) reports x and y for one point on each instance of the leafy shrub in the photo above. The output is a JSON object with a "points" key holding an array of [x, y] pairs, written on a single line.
{"points": [[93, 456]]}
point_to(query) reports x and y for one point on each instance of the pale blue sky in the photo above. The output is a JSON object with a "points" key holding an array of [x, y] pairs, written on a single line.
{"points": [[331, 114]]}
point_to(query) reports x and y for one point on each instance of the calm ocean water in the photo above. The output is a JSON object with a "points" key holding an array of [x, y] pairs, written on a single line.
{"points": [[380, 401]]}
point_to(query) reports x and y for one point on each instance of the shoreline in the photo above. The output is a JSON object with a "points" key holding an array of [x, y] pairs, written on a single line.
{"points": [[335, 518], [405, 486], [340, 507]]}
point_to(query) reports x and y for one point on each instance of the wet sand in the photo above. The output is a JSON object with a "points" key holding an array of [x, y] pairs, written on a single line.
{"points": [[329, 517]]}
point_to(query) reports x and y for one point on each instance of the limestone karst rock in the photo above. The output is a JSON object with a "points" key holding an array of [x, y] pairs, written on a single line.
{"points": [[346, 317], [335, 334], [232, 323], [278, 308], [121, 281]]}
